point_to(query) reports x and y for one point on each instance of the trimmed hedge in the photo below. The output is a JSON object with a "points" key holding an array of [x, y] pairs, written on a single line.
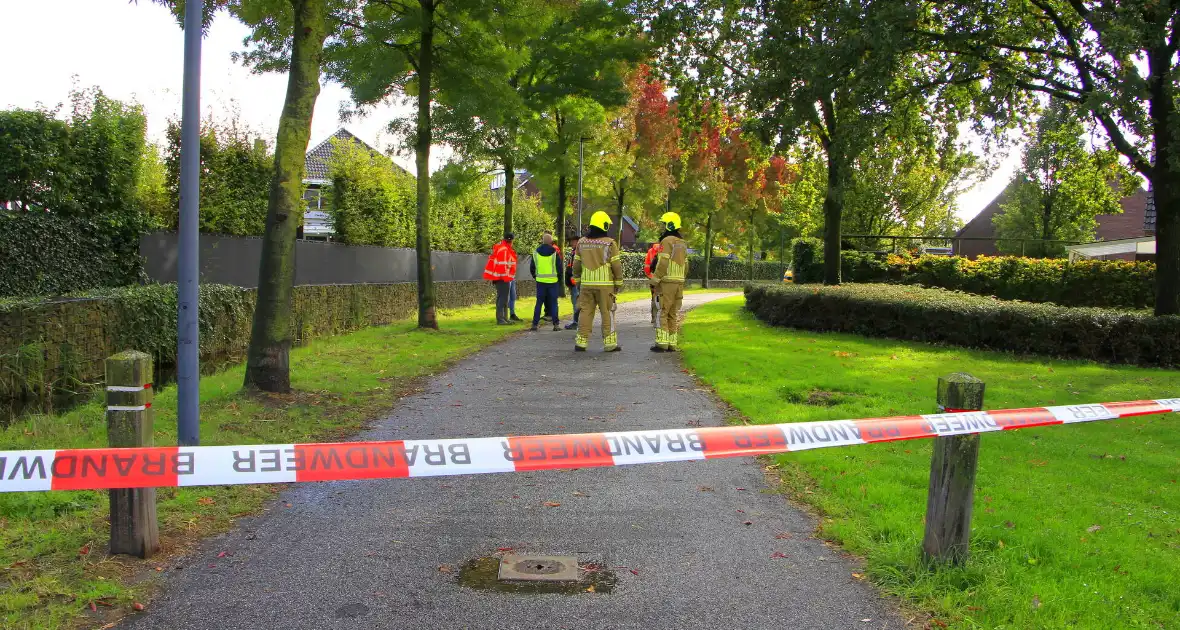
{"points": [[940, 316], [720, 268], [47, 345], [1101, 283], [50, 254]]}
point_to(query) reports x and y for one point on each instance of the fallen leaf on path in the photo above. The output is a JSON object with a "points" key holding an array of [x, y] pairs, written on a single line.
{"points": [[505, 548], [705, 489], [741, 489], [137, 607], [551, 504], [634, 572], [782, 535], [591, 589], [581, 494], [446, 568], [859, 576], [778, 554], [748, 523], [224, 554]]}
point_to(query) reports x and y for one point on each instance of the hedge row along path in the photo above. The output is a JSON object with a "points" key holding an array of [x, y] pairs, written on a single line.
{"points": [[691, 545]]}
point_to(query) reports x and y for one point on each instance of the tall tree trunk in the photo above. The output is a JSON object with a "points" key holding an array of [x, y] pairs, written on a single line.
{"points": [[752, 213], [560, 229], [1164, 183], [509, 188], [1167, 245], [427, 318], [833, 210], [708, 249], [621, 197], [267, 363]]}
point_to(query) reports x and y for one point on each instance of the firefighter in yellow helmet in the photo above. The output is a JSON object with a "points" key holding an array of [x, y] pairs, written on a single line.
{"points": [[598, 269], [668, 272]]}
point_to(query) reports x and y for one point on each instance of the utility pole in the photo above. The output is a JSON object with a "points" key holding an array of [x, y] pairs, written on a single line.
{"points": [[188, 373]]}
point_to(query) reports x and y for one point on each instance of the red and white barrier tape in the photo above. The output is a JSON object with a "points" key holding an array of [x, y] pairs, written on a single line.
{"points": [[107, 468]]}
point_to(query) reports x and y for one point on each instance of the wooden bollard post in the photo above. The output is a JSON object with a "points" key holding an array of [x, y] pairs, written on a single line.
{"points": [[134, 529], [952, 476]]}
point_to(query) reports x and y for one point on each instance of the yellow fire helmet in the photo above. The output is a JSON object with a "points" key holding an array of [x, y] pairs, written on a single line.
{"points": [[671, 220], [600, 220]]}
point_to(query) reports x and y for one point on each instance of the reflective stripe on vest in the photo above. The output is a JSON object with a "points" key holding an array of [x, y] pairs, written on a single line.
{"points": [[598, 277], [546, 268]]}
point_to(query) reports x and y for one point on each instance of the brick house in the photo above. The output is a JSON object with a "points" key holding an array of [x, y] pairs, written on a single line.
{"points": [[1136, 221]]}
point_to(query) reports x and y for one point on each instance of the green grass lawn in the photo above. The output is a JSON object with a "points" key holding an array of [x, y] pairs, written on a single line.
{"points": [[52, 545], [1074, 527]]}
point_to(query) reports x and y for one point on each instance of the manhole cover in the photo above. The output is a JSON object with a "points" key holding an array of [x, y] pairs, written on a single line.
{"points": [[538, 568]]}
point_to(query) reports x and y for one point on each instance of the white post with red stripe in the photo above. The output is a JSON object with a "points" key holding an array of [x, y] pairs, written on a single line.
{"points": [[134, 528]]}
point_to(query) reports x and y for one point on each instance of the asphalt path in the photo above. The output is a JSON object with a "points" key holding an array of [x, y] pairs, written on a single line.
{"points": [[692, 544]]}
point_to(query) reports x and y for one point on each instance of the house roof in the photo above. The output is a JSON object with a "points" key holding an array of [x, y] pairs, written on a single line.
{"points": [[981, 224], [1138, 216], [522, 178], [1140, 245], [316, 163]]}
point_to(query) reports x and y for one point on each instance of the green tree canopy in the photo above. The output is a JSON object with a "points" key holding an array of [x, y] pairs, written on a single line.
{"points": [[236, 169], [1115, 61], [1061, 187]]}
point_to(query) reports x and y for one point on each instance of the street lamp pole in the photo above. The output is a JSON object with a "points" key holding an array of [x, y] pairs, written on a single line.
{"points": [[188, 374], [580, 158]]}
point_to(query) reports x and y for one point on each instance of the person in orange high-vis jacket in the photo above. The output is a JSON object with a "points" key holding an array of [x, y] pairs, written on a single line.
{"points": [[652, 253], [501, 270]]}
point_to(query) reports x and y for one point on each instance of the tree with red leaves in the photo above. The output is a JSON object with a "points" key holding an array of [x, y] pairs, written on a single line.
{"points": [[733, 174], [638, 149]]}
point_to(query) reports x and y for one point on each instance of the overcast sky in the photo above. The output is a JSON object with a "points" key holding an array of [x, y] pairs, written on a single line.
{"points": [[135, 52]]}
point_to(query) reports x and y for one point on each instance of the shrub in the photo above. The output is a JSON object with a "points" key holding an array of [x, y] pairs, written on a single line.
{"points": [[1102, 283], [807, 256], [941, 316], [236, 168], [721, 268], [373, 202], [46, 253]]}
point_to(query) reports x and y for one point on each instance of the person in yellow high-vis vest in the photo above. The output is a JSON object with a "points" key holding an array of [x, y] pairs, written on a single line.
{"points": [[546, 267], [668, 272], [598, 270]]}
